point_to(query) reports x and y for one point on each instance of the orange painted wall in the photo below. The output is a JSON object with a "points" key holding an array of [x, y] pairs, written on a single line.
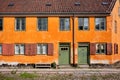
{"points": [[116, 36]]}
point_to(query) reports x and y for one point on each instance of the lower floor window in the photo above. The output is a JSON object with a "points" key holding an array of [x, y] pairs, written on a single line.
{"points": [[42, 48], [19, 48], [101, 48]]}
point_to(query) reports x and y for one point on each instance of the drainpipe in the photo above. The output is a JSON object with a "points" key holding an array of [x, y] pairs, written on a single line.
{"points": [[73, 39]]}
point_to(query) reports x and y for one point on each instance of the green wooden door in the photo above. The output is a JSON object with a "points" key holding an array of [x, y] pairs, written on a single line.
{"points": [[64, 55], [83, 55]]}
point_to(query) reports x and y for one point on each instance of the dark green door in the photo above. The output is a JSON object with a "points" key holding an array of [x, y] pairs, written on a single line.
{"points": [[64, 54], [82, 55]]}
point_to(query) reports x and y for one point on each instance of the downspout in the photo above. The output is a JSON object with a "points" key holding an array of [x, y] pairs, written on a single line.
{"points": [[73, 39]]}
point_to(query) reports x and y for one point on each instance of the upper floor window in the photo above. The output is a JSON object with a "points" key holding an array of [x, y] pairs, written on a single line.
{"points": [[64, 24], [42, 48], [1, 24], [20, 24], [0, 49], [42, 24], [100, 23], [83, 24], [101, 48], [19, 49]]}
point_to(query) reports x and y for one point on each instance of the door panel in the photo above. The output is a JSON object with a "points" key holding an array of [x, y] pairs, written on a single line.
{"points": [[64, 54], [83, 55]]}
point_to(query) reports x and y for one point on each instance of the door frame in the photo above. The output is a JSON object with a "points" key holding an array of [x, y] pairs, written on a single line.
{"points": [[69, 45], [85, 44]]}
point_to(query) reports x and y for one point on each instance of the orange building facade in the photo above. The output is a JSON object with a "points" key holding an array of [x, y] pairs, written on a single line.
{"points": [[89, 38]]}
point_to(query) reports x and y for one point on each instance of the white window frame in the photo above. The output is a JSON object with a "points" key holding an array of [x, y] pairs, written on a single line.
{"points": [[65, 25], [20, 24], [100, 47], [43, 25], [42, 48], [19, 49], [98, 22], [85, 22]]}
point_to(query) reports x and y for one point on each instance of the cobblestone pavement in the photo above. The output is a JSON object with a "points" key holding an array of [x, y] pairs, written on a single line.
{"points": [[80, 71]]}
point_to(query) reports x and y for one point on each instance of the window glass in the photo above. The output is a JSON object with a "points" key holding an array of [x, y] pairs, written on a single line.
{"points": [[20, 24], [42, 48], [16, 49], [64, 24], [100, 23], [83, 23], [1, 24], [101, 48], [42, 24], [19, 49]]}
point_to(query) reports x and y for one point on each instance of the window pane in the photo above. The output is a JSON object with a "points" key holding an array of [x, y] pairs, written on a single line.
{"points": [[21, 49], [39, 49], [0, 49], [81, 23], [100, 23], [1, 24], [16, 49], [85, 23], [23, 24], [20, 24], [97, 24], [44, 49], [103, 48], [39, 24], [42, 24], [67, 24], [97, 48], [17, 24], [64, 24]]}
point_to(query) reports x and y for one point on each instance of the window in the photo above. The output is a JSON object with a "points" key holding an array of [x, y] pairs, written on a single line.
{"points": [[83, 24], [19, 49], [64, 24], [100, 23], [115, 26], [42, 49], [1, 24], [0, 49], [42, 24], [101, 48], [20, 24]]}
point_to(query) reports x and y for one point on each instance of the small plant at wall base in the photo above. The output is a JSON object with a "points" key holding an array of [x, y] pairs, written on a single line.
{"points": [[53, 65]]}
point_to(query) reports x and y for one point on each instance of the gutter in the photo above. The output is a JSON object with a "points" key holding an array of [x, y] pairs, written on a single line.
{"points": [[73, 38], [54, 13]]}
